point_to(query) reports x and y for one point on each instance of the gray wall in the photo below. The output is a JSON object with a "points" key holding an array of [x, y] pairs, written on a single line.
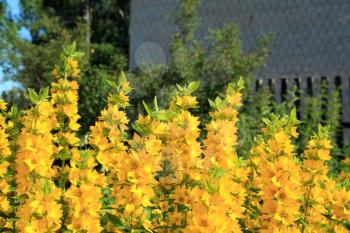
{"points": [[312, 36]]}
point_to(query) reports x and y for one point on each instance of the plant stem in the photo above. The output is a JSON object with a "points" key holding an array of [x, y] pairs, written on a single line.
{"points": [[307, 203]]}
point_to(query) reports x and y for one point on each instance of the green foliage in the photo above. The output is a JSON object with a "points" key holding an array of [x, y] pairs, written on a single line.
{"points": [[117, 222], [187, 19], [257, 107], [100, 29], [35, 97], [323, 109], [215, 64], [333, 116]]}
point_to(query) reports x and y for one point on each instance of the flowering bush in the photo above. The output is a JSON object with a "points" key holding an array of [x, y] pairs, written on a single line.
{"points": [[162, 178]]}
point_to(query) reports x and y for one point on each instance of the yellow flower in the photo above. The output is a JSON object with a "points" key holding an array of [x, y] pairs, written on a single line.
{"points": [[3, 105], [73, 65], [284, 216], [186, 101], [340, 229], [234, 99]]}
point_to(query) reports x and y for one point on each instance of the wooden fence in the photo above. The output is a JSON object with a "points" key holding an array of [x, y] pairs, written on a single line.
{"points": [[311, 86]]}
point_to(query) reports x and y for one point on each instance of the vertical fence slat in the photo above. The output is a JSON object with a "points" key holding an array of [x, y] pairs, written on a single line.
{"points": [[311, 86], [271, 85], [346, 136], [316, 86], [290, 85], [260, 84], [277, 90], [331, 85]]}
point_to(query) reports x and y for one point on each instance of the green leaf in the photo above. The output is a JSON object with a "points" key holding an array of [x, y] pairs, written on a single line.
{"points": [[117, 222], [240, 83], [70, 49], [216, 172], [64, 155], [212, 103], [293, 115], [219, 103], [14, 219], [35, 98], [112, 84], [32, 96], [165, 116], [44, 93], [230, 89], [148, 109], [266, 121], [193, 86], [47, 187], [156, 104], [179, 87], [121, 79], [140, 129]]}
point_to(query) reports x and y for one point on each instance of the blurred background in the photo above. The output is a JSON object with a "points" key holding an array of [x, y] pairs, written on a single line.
{"points": [[292, 54]]}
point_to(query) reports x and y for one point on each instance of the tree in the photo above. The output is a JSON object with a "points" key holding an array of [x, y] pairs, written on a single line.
{"points": [[100, 29]]}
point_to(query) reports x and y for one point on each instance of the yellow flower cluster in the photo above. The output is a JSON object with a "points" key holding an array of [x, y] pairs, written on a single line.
{"points": [[84, 194], [39, 210], [5, 152], [162, 174], [322, 196], [277, 175], [77, 169], [218, 203]]}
